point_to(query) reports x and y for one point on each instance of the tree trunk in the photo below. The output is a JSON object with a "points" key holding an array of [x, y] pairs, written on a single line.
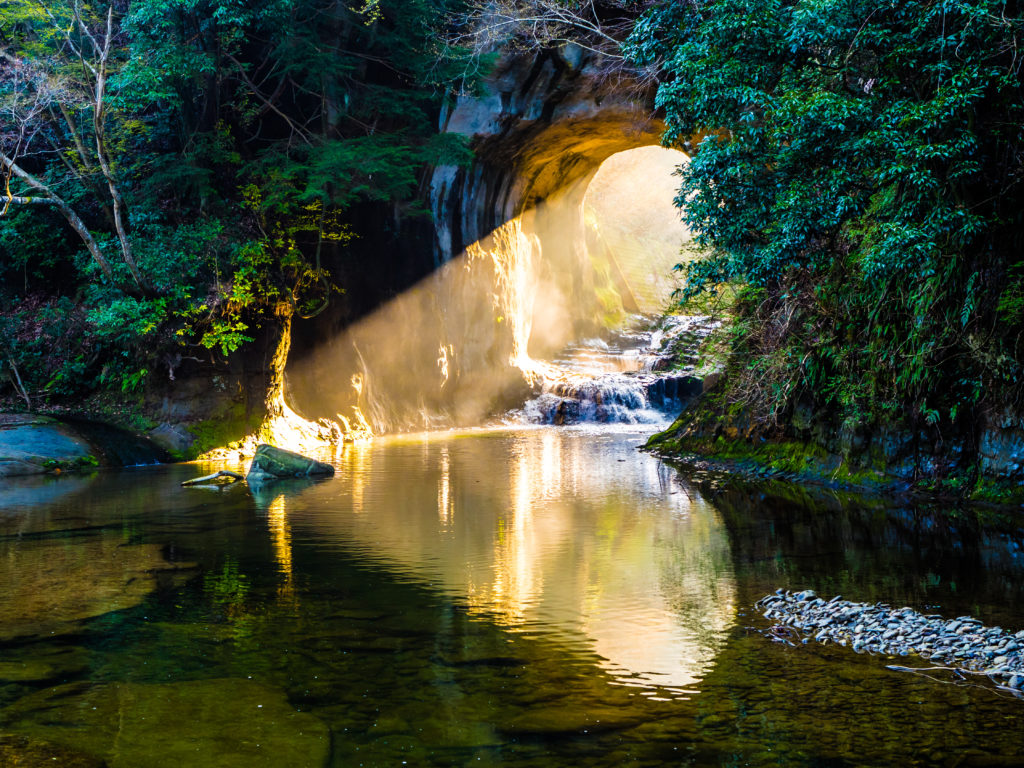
{"points": [[101, 154], [275, 391]]}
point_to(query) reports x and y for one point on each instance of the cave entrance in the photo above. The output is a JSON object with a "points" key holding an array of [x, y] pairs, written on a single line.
{"points": [[605, 247], [480, 333]]}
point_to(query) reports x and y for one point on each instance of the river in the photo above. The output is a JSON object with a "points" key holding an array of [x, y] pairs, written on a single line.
{"points": [[524, 596]]}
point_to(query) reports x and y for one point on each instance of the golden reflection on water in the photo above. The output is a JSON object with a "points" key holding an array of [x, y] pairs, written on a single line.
{"points": [[558, 534], [512, 587], [353, 462], [281, 537], [445, 506]]}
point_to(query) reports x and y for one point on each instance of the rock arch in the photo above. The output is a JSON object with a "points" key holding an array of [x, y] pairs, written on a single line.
{"points": [[540, 128]]}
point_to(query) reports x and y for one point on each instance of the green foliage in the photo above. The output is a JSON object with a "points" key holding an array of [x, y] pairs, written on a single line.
{"points": [[242, 138], [859, 166]]}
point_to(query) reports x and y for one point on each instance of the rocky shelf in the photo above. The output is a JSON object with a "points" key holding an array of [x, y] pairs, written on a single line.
{"points": [[962, 644]]}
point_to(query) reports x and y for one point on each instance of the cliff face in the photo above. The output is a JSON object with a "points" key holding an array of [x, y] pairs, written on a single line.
{"points": [[540, 127]]}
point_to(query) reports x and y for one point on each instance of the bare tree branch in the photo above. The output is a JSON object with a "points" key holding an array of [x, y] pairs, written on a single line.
{"points": [[600, 28], [35, 90], [297, 129], [52, 198], [99, 128]]}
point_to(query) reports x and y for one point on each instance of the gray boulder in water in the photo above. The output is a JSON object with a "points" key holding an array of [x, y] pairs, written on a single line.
{"points": [[272, 463]]}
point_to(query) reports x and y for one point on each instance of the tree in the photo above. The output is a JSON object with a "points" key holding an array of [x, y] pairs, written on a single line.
{"points": [[861, 173], [44, 97], [600, 27], [206, 153]]}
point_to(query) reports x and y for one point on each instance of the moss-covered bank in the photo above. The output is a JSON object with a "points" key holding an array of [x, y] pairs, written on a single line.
{"points": [[983, 463]]}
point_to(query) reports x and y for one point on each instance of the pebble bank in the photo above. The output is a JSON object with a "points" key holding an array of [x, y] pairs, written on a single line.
{"points": [[963, 643]]}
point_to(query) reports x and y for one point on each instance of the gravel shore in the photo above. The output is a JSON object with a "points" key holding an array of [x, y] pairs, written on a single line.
{"points": [[963, 643]]}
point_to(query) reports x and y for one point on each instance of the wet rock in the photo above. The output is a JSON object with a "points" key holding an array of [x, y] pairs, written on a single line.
{"points": [[35, 445], [228, 723], [173, 438], [39, 444], [271, 463]]}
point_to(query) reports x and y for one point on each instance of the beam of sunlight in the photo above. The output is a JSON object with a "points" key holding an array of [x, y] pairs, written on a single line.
{"points": [[474, 339]]}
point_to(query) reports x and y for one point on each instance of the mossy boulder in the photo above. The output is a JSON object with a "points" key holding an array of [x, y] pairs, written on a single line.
{"points": [[271, 463]]}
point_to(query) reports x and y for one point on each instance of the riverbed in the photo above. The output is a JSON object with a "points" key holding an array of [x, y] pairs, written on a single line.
{"points": [[523, 597]]}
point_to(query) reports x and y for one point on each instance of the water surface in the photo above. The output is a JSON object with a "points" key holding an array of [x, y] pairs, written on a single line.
{"points": [[535, 597]]}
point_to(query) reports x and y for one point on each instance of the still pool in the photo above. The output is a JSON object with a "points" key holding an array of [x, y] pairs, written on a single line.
{"points": [[538, 597]]}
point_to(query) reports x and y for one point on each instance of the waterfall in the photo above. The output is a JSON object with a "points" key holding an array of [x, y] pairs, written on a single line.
{"points": [[623, 378]]}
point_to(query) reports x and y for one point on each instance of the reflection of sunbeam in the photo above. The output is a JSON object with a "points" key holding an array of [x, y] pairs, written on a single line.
{"points": [[445, 502], [277, 520], [579, 541], [353, 462], [512, 589]]}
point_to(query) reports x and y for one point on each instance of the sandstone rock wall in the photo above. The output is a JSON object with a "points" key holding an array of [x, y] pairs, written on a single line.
{"points": [[540, 127]]}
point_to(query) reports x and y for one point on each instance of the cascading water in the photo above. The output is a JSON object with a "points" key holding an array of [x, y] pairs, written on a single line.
{"points": [[642, 374]]}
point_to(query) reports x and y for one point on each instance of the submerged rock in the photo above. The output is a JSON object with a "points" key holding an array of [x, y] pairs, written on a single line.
{"points": [[30, 664], [49, 588], [272, 463], [228, 723], [23, 752]]}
